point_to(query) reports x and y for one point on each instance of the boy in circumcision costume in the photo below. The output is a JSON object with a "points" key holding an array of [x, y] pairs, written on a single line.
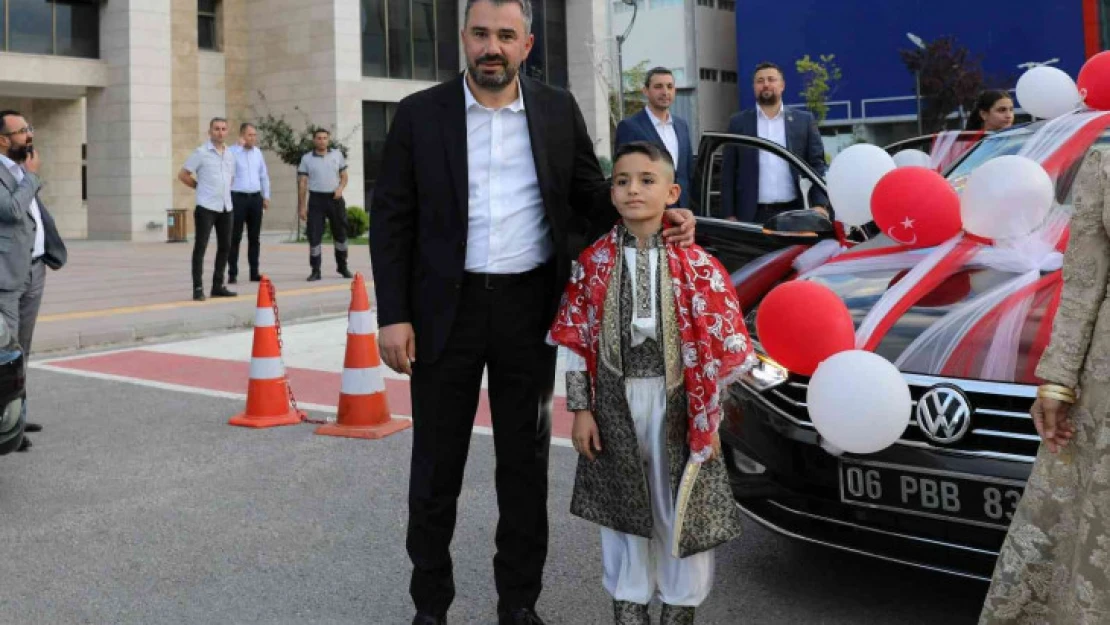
{"points": [[654, 335]]}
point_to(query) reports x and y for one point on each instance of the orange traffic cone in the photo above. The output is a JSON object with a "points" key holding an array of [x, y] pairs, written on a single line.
{"points": [[363, 409], [268, 391]]}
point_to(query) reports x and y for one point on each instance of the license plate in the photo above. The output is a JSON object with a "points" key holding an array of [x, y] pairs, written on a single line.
{"points": [[953, 496]]}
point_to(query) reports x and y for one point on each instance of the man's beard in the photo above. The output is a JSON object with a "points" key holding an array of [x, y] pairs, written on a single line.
{"points": [[18, 153], [495, 82], [768, 97]]}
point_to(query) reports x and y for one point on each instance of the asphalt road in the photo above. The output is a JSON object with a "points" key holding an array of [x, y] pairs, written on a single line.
{"points": [[142, 506]]}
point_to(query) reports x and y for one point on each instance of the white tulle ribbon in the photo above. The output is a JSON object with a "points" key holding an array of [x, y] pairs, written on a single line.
{"points": [[818, 255]]}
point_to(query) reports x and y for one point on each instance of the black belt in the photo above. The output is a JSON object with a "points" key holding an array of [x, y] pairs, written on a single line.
{"points": [[250, 193], [328, 193], [780, 205], [493, 281]]}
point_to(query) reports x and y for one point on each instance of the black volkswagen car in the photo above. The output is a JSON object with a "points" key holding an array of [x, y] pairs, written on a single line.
{"points": [[943, 496]]}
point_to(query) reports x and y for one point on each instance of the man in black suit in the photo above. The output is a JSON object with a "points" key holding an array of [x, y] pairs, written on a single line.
{"points": [[755, 184], [480, 181]]}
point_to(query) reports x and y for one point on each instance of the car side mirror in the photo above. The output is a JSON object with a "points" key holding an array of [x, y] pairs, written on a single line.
{"points": [[799, 227]]}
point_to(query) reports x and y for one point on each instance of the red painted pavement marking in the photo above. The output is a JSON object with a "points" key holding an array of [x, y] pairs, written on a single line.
{"points": [[309, 385]]}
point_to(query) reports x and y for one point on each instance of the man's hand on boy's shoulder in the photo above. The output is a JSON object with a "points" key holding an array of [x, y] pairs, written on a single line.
{"points": [[682, 229]]}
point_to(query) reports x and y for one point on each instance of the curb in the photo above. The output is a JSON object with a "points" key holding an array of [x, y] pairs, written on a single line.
{"points": [[154, 331]]}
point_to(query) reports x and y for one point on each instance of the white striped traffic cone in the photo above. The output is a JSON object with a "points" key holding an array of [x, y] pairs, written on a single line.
{"points": [[267, 392], [363, 408]]}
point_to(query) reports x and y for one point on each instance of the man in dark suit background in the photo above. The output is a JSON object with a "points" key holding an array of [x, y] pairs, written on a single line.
{"points": [[656, 124], [755, 184], [469, 227]]}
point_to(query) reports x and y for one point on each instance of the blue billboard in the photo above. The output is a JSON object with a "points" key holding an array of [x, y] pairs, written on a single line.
{"points": [[866, 36]]}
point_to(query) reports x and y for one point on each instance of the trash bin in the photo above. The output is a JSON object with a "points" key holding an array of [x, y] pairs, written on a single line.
{"points": [[177, 228]]}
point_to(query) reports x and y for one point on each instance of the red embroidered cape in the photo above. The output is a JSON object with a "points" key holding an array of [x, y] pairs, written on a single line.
{"points": [[716, 348]]}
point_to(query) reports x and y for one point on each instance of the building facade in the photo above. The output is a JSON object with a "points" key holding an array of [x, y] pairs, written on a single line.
{"points": [[696, 40], [876, 96], [121, 91]]}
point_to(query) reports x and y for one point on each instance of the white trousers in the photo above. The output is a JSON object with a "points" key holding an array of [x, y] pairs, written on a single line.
{"points": [[637, 568]]}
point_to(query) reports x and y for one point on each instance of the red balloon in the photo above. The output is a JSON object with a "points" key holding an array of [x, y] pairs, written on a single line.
{"points": [[1094, 79], [916, 207], [801, 324]]}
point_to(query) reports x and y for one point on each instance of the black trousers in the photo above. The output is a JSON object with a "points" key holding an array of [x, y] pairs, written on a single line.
{"points": [[501, 325], [248, 212], [204, 220], [323, 206]]}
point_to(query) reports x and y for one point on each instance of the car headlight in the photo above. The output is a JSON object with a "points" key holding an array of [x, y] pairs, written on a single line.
{"points": [[766, 374], [11, 413]]}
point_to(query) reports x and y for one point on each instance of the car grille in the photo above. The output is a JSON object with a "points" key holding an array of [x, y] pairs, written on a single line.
{"points": [[1000, 424]]}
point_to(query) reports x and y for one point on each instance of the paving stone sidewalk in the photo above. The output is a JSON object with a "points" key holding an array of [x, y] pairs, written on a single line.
{"points": [[115, 293]]}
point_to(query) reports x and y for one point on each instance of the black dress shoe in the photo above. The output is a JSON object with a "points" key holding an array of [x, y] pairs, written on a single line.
{"points": [[423, 618], [222, 291], [256, 278], [233, 280], [314, 276], [25, 445], [346, 273], [32, 427], [519, 616], [198, 295]]}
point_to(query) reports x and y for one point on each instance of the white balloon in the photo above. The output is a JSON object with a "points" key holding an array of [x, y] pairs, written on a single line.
{"points": [[859, 402], [913, 158], [1047, 92], [852, 178], [1008, 196]]}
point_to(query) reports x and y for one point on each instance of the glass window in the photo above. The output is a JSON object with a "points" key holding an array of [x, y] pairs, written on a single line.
{"points": [[659, 4], [31, 26], [423, 39], [557, 72], [373, 38], [535, 65], [447, 38], [376, 119], [77, 30], [207, 35], [400, 40]]}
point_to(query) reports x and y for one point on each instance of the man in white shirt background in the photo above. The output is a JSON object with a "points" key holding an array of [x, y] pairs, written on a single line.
{"points": [[29, 240], [755, 184], [209, 170], [250, 197], [656, 124]]}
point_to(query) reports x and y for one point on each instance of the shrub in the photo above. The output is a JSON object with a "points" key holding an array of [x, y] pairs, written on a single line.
{"points": [[358, 222]]}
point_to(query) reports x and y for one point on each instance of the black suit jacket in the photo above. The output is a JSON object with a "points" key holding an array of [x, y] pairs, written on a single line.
{"points": [[740, 169], [419, 214]]}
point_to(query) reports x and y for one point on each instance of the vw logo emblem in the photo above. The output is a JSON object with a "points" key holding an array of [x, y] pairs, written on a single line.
{"points": [[944, 414]]}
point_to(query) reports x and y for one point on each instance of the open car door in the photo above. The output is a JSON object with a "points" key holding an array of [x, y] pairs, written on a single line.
{"points": [[737, 243]]}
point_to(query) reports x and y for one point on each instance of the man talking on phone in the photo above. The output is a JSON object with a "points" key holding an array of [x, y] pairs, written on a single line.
{"points": [[29, 240]]}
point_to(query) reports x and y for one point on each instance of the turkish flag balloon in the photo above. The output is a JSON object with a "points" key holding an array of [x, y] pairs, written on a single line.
{"points": [[803, 323], [916, 207], [1094, 81]]}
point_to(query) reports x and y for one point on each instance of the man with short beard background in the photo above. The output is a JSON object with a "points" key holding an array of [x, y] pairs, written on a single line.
{"points": [[481, 178], [29, 240], [755, 184]]}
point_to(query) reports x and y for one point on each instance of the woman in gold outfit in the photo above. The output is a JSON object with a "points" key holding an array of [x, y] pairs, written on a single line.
{"points": [[1054, 568]]}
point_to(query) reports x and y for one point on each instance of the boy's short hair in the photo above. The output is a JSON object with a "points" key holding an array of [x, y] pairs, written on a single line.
{"points": [[653, 151]]}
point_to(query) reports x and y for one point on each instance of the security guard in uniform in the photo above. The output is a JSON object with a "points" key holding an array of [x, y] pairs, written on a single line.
{"points": [[321, 178]]}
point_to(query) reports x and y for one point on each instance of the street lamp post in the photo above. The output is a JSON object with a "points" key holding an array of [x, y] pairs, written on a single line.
{"points": [[620, 57], [917, 41]]}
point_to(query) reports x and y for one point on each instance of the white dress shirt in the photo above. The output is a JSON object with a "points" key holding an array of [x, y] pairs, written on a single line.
{"points": [[666, 131], [507, 229], [251, 175], [776, 181], [214, 172], [40, 236]]}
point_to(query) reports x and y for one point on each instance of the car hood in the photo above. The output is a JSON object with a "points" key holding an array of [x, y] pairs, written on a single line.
{"points": [[862, 290]]}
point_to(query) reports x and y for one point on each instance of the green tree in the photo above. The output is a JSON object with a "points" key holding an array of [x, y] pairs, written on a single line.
{"points": [[634, 78], [819, 77]]}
